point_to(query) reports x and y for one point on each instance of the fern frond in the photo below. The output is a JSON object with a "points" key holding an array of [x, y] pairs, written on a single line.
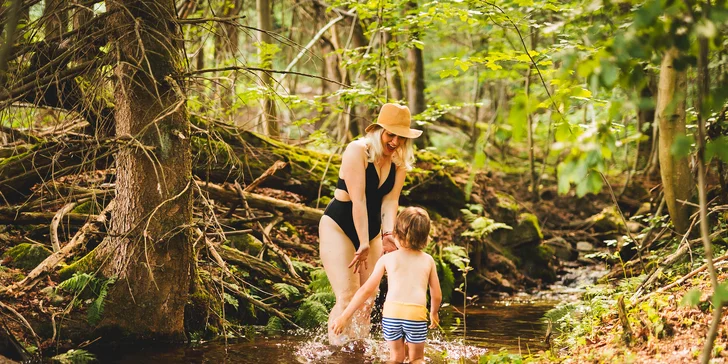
{"points": [[230, 300], [75, 357], [77, 283], [319, 281], [311, 314], [455, 255], [328, 299], [286, 290]]}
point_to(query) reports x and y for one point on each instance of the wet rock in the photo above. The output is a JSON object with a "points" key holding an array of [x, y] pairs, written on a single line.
{"points": [[562, 248], [584, 246]]}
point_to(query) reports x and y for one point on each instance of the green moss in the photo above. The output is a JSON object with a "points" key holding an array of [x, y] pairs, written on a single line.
{"points": [[245, 243], [198, 316], [525, 231], [507, 201], [537, 262], [531, 220], [289, 229], [27, 255], [87, 264], [88, 207]]}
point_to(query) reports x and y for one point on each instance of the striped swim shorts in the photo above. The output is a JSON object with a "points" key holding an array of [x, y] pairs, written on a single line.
{"points": [[404, 320]]}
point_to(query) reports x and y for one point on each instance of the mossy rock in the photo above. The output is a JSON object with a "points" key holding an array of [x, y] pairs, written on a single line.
{"points": [[245, 243], [525, 231], [506, 209], [537, 261], [27, 255], [608, 220]]}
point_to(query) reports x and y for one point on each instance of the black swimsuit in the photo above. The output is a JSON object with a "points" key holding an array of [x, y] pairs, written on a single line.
{"points": [[341, 211]]}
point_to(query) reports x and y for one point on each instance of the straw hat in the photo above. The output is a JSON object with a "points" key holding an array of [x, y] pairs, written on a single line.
{"points": [[395, 119]]}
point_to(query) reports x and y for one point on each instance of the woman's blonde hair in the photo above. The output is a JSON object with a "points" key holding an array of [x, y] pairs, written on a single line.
{"points": [[404, 156]]}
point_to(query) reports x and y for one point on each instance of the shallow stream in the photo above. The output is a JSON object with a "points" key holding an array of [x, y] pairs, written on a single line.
{"points": [[515, 325]]}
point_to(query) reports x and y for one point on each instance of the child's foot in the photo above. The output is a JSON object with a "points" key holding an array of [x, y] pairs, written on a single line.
{"points": [[418, 361], [392, 362]]}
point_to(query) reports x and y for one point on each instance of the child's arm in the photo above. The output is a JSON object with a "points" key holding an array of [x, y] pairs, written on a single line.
{"points": [[364, 292], [435, 296]]}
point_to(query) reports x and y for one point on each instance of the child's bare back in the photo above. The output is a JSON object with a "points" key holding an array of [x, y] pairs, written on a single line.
{"points": [[408, 275]]}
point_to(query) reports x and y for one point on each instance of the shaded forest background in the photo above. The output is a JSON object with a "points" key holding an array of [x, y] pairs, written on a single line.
{"points": [[179, 153]]}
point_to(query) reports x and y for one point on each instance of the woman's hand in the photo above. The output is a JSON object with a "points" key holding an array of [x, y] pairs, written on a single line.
{"points": [[388, 244], [360, 258]]}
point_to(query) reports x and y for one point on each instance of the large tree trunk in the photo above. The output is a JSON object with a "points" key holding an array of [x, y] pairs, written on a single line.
{"points": [[670, 114], [265, 23], [149, 245], [416, 81]]}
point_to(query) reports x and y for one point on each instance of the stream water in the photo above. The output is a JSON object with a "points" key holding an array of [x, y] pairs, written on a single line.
{"points": [[515, 325]]}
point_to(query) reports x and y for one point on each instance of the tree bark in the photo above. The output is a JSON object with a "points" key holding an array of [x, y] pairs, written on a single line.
{"points": [[265, 23], [416, 82], [150, 250], [670, 114]]}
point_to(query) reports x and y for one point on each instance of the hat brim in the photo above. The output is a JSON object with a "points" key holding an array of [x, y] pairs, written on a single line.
{"points": [[403, 132]]}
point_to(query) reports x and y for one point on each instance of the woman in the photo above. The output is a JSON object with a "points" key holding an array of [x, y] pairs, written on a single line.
{"points": [[365, 203]]}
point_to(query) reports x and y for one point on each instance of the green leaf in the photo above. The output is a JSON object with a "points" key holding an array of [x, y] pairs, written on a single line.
{"points": [[720, 296], [680, 147], [717, 147], [608, 73], [692, 298], [449, 73]]}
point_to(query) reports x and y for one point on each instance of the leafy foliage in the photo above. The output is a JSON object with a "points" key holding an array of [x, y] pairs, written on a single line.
{"points": [[87, 285], [481, 226], [287, 290], [77, 356]]}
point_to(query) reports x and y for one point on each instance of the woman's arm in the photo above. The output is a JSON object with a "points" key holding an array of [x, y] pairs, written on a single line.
{"points": [[353, 170], [390, 203], [361, 295]]}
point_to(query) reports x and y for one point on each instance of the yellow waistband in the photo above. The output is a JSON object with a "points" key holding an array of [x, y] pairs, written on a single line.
{"points": [[404, 311]]}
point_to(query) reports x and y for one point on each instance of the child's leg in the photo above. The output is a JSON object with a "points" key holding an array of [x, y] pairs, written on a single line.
{"points": [[396, 350], [416, 353]]}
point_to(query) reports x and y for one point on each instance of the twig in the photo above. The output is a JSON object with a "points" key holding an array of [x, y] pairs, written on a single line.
{"points": [[205, 20], [257, 69], [56, 221], [268, 241]]}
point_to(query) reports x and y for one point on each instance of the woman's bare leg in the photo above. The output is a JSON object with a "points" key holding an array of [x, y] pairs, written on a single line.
{"points": [[336, 251]]}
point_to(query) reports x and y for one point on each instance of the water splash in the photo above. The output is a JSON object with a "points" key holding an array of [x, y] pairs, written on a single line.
{"points": [[315, 349]]}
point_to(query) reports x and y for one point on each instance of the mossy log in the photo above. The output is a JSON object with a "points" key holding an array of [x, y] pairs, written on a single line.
{"points": [[257, 266], [227, 154]]}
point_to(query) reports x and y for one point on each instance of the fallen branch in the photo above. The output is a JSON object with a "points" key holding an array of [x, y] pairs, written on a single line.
{"points": [[265, 307], [262, 268], [56, 221], [266, 236], [58, 257], [265, 203]]}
